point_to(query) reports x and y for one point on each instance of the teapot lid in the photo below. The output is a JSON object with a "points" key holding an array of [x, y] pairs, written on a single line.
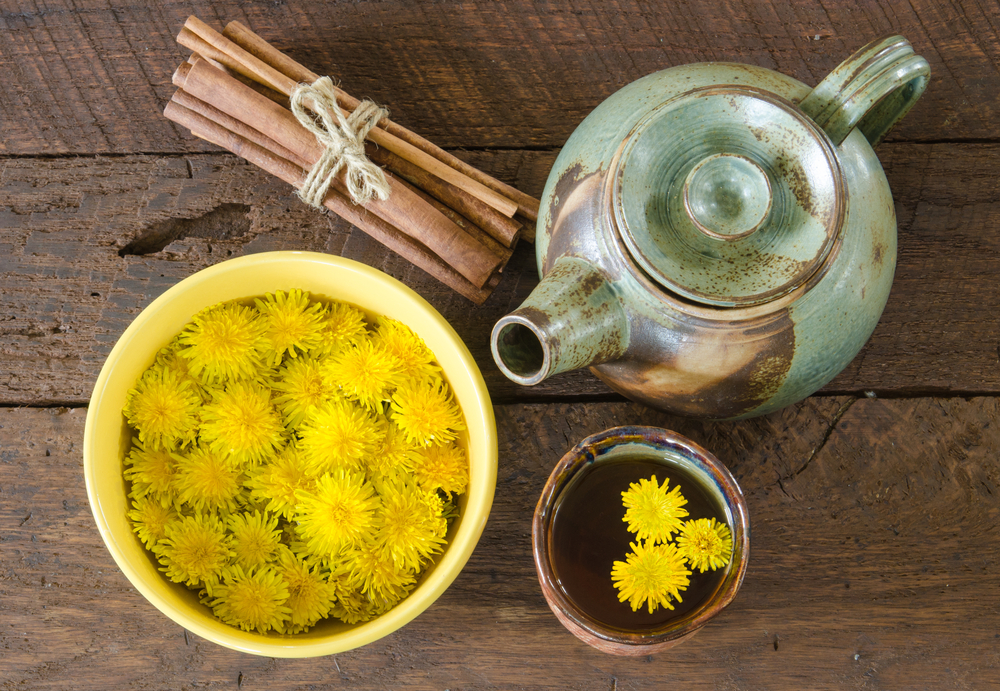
{"points": [[728, 195]]}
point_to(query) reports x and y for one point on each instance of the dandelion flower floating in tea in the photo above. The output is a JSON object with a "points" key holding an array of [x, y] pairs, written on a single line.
{"points": [[294, 460], [652, 512], [656, 572], [651, 574], [705, 544]]}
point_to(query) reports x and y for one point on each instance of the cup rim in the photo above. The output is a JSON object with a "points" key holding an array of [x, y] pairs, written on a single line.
{"points": [[578, 459]]}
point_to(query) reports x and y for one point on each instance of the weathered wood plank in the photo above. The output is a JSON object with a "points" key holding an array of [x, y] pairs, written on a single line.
{"points": [[92, 77], [68, 295], [874, 540]]}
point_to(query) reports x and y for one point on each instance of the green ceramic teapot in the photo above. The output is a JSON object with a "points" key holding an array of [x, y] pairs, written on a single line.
{"points": [[718, 239]]}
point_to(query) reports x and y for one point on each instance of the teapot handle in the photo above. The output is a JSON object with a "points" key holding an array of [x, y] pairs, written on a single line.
{"points": [[871, 90]]}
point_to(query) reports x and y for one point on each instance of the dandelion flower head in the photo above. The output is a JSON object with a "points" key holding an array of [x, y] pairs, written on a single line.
{"points": [[207, 480], [225, 342], [253, 599], [293, 323], [195, 550], [337, 434], [416, 361], [150, 519], [705, 544], [364, 372], [652, 512], [652, 575], [241, 422], [276, 482], [163, 408], [300, 387], [310, 594], [339, 513], [427, 413], [411, 529], [341, 324], [256, 537], [151, 470], [374, 573], [394, 455], [442, 467]]}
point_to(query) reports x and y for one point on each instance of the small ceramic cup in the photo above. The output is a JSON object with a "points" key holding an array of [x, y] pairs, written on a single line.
{"points": [[680, 457]]}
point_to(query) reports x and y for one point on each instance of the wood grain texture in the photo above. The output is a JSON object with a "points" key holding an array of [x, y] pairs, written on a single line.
{"points": [[68, 293], [92, 76], [874, 544]]}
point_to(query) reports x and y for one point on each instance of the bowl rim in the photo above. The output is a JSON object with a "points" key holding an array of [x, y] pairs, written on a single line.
{"points": [[480, 420], [576, 460]]}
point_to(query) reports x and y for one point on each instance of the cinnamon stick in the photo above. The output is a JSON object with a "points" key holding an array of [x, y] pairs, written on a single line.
{"points": [[527, 206], [246, 63], [504, 230], [383, 232], [403, 209]]}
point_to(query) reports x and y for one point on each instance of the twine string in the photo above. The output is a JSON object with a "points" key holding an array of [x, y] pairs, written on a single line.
{"points": [[343, 140]]}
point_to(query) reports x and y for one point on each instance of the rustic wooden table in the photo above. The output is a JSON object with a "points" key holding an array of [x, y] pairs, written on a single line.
{"points": [[874, 504]]}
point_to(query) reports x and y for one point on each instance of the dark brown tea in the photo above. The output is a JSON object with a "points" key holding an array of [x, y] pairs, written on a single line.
{"points": [[588, 536]]}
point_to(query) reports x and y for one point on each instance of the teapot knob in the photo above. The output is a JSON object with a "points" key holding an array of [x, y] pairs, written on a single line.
{"points": [[871, 90], [727, 196]]}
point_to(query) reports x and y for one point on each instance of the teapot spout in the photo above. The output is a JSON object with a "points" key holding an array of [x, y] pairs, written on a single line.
{"points": [[572, 319]]}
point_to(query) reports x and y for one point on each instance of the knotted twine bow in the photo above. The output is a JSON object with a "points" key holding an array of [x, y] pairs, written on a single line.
{"points": [[343, 140]]}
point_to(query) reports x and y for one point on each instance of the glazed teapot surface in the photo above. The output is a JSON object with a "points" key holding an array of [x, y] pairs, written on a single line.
{"points": [[718, 239]]}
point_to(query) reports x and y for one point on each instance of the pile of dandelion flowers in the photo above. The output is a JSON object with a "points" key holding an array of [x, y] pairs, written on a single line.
{"points": [[225, 342], [195, 550], [163, 408], [241, 422], [652, 512], [426, 412], [340, 512], [705, 544], [252, 599], [337, 434], [651, 574], [364, 372], [256, 538], [293, 323]]}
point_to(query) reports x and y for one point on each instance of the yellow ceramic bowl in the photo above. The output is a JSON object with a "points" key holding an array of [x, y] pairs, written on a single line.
{"points": [[107, 437]]}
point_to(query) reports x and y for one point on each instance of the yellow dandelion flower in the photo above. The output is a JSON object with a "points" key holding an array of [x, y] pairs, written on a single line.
{"points": [[310, 595], [354, 607], [256, 537], [149, 520], [207, 480], [195, 550], [300, 387], [274, 483], [651, 574], [342, 324], [340, 512], [293, 323], [394, 455], [426, 412], [415, 358], [337, 434], [163, 408], [151, 470], [705, 544], [410, 527], [242, 423], [442, 467], [652, 512], [364, 372], [170, 358], [373, 572], [225, 343], [252, 599]]}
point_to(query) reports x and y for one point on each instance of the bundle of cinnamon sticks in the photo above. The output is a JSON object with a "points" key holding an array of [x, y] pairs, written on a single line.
{"points": [[442, 214]]}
